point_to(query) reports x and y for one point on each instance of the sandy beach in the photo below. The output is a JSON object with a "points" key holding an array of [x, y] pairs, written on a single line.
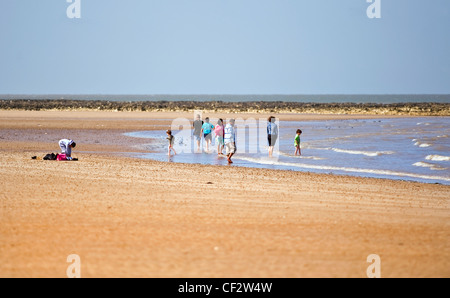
{"points": [[127, 217]]}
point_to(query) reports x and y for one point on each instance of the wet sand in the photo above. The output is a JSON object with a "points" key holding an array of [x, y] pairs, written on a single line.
{"points": [[126, 217]]}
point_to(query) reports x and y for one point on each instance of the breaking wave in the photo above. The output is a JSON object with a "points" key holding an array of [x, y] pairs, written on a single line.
{"points": [[423, 145], [366, 153], [438, 158], [429, 165], [342, 169], [301, 156]]}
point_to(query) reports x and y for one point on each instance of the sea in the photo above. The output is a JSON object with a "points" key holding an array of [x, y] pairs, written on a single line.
{"points": [[411, 149], [313, 98]]}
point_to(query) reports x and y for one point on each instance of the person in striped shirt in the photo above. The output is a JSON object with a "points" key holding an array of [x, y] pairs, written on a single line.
{"points": [[230, 140]]}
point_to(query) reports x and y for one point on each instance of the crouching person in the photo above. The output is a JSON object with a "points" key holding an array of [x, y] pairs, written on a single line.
{"points": [[66, 146]]}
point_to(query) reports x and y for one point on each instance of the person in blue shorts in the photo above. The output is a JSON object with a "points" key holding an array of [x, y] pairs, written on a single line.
{"points": [[207, 132]]}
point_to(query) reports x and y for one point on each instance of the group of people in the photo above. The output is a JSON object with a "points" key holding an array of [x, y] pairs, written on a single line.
{"points": [[225, 136]]}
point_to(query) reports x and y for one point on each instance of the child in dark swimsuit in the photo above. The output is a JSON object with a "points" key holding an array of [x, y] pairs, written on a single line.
{"points": [[171, 139]]}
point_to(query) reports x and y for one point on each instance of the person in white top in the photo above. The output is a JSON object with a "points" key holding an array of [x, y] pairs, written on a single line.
{"points": [[272, 134], [66, 146], [230, 140]]}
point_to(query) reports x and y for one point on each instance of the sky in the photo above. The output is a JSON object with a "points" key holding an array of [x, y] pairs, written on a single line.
{"points": [[224, 47]]}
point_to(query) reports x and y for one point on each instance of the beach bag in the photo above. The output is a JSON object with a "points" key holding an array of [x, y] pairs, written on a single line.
{"points": [[50, 156], [61, 157]]}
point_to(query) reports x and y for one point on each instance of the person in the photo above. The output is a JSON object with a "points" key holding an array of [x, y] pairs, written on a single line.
{"points": [[66, 146], [297, 142], [197, 126], [230, 140], [272, 134], [206, 131], [219, 131], [171, 139]]}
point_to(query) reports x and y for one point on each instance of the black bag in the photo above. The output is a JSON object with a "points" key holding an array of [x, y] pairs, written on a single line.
{"points": [[50, 156]]}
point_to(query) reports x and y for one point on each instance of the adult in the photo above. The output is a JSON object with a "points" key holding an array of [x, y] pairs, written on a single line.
{"points": [[219, 131], [207, 132], [230, 140], [66, 146], [272, 134], [197, 126]]}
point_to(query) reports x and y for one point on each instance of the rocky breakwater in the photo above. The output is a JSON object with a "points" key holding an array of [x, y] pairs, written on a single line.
{"points": [[412, 109]]}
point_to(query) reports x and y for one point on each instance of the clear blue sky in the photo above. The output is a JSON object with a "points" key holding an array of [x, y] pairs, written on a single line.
{"points": [[224, 47]]}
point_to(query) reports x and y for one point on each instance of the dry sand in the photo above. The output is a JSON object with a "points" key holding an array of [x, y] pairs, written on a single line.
{"points": [[126, 217]]}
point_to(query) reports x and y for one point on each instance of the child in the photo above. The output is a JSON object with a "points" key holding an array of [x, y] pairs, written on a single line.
{"points": [[219, 130], [297, 142], [171, 139]]}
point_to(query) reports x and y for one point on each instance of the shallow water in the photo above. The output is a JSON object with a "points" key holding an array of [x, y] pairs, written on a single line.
{"points": [[415, 149]]}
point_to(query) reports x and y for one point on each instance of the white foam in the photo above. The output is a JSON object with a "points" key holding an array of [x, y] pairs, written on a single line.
{"points": [[301, 156], [343, 169], [423, 145], [317, 148], [438, 158], [366, 153], [429, 165]]}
